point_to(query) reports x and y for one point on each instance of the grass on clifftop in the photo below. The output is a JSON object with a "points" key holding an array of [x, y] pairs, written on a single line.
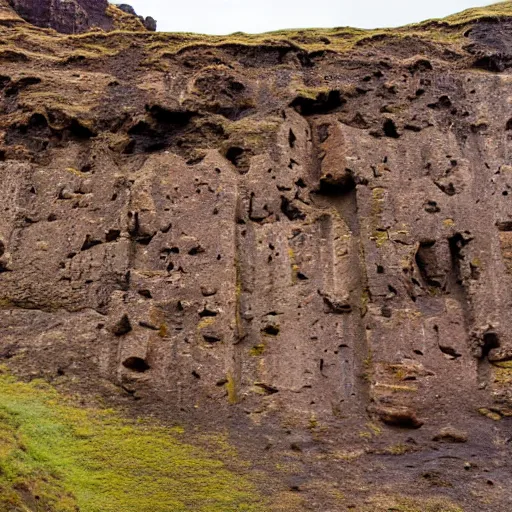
{"points": [[55, 456], [36, 43]]}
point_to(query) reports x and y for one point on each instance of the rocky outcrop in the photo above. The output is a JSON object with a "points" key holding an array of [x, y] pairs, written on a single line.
{"points": [[73, 16], [148, 21], [305, 236]]}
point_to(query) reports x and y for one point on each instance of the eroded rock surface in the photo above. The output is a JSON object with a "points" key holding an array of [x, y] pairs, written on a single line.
{"points": [[286, 234], [74, 16]]}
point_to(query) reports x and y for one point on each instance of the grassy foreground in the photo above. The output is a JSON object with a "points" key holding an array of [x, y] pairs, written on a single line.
{"points": [[55, 456]]}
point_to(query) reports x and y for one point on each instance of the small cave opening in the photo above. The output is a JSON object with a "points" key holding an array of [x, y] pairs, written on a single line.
{"points": [[490, 341], [170, 117], [337, 186], [198, 249], [426, 262], [323, 103], [271, 330], [290, 210], [390, 129], [492, 63], [79, 131], [112, 235], [206, 313], [4, 80], [456, 243], [291, 138], [234, 154], [136, 364]]}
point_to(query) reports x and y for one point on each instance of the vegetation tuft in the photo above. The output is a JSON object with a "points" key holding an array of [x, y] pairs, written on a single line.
{"points": [[58, 457]]}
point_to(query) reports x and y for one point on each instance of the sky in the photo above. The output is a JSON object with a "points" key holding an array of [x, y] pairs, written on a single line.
{"points": [[253, 16]]}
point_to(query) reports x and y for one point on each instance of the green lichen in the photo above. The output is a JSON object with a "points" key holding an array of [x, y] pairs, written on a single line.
{"points": [[257, 350], [503, 374], [489, 414], [163, 330], [231, 389], [93, 460], [205, 322], [380, 237]]}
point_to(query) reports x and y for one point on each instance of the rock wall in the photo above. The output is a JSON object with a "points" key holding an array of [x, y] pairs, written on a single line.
{"points": [[263, 230], [72, 16]]}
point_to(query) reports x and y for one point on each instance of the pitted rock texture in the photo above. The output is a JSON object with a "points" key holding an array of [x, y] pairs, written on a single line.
{"points": [[313, 237]]}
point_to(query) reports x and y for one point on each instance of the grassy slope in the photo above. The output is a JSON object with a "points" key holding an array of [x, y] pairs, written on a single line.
{"points": [[55, 456], [35, 43]]}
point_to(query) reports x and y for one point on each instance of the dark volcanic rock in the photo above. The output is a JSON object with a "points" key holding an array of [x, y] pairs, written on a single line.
{"points": [[148, 22], [72, 16], [302, 235]]}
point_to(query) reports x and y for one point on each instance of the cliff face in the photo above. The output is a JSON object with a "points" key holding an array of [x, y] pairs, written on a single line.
{"points": [[310, 229]]}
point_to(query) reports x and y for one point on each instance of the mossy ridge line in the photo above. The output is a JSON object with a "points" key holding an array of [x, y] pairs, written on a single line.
{"points": [[100, 462], [163, 45]]}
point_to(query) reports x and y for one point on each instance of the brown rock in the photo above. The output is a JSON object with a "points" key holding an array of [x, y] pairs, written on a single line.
{"points": [[451, 435], [397, 416]]}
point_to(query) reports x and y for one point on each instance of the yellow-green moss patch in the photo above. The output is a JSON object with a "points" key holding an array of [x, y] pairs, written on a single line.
{"points": [[96, 461]]}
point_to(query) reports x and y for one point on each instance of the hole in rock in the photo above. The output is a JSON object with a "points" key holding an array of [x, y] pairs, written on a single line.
{"points": [[144, 239], [505, 226], [207, 313], [290, 210], [112, 235], [337, 186], [123, 326], [78, 131], [196, 250], [493, 63], [211, 338], [427, 263], [323, 103], [136, 364], [233, 154], [490, 341], [271, 330], [292, 138], [390, 130]]}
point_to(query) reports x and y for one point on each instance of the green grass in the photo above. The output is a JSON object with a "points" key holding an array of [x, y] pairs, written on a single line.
{"points": [[158, 47], [58, 457]]}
